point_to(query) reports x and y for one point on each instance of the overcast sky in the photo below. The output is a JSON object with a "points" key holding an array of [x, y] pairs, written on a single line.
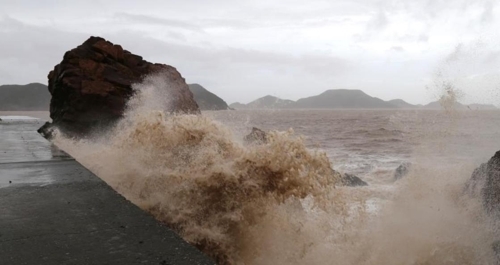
{"points": [[242, 50]]}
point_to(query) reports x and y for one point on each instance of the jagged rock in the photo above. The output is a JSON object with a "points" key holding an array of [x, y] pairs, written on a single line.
{"points": [[91, 86], [256, 136], [485, 182], [352, 180], [496, 249], [47, 130], [475, 184], [402, 170]]}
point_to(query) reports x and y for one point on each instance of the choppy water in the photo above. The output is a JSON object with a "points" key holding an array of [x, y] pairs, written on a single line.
{"points": [[279, 203], [372, 143]]}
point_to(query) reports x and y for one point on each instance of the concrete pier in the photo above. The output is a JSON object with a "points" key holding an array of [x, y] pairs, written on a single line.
{"points": [[55, 211]]}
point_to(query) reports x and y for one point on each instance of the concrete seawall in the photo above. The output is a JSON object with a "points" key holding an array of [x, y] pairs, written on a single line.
{"points": [[55, 211]]}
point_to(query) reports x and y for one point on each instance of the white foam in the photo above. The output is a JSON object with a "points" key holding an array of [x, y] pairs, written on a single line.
{"points": [[13, 118]]}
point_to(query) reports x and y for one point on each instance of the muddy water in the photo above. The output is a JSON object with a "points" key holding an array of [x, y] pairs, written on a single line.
{"points": [[279, 203]]}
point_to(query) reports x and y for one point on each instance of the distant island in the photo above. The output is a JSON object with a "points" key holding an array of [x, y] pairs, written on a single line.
{"points": [[30, 97], [207, 100], [36, 97], [267, 102], [457, 105], [345, 99]]}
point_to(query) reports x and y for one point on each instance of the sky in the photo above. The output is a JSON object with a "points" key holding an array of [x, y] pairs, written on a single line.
{"points": [[245, 49]]}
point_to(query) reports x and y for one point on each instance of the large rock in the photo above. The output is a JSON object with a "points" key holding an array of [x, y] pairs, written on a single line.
{"points": [[485, 182], [402, 170], [92, 84], [474, 186], [256, 136], [352, 180]]}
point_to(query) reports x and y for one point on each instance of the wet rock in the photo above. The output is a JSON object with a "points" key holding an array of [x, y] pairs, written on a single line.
{"points": [[47, 130], [257, 136], [352, 180], [92, 84], [402, 170], [485, 182], [496, 249], [475, 184]]}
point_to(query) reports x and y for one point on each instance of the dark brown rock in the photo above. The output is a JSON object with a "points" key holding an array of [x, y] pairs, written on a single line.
{"points": [[92, 84]]}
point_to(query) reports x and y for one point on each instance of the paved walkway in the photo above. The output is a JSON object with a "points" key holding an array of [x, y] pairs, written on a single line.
{"points": [[54, 211]]}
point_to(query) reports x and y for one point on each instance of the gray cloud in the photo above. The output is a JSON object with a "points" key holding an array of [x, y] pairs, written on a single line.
{"points": [[229, 23], [143, 19], [223, 59], [379, 21], [492, 57], [176, 35], [423, 37], [39, 53], [397, 49], [487, 15], [249, 48], [28, 53]]}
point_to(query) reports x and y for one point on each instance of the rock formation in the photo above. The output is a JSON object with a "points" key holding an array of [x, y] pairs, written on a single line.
{"points": [[352, 180], [402, 171], [474, 186], [256, 136], [485, 182], [91, 86]]}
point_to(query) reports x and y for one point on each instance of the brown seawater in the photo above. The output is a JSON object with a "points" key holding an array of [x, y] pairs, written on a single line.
{"points": [[279, 203]]}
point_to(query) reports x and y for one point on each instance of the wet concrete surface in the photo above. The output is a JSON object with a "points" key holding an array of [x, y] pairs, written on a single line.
{"points": [[19, 142], [54, 211]]}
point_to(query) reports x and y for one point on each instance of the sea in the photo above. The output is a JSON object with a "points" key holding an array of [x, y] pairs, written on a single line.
{"points": [[279, 202]]}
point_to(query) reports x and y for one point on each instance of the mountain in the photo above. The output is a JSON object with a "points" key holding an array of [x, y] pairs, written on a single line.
{"points": [[30, 97], [267, 102], [403, 104], [238, 105], [207, 100], [482, 107], [270, 102], [343, 99], [460, 106], [346, 99], [437, 105]]}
